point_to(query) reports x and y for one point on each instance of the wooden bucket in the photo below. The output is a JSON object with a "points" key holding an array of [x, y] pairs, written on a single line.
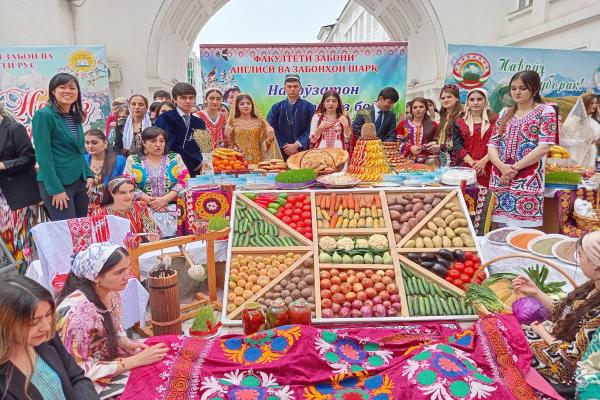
{"points": [[164, 302]]}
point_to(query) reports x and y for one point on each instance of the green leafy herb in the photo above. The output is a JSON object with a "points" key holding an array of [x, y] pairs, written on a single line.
{"points": [[481, 294], [539, 276], [296, 176], [217, 223], [205, 319]]}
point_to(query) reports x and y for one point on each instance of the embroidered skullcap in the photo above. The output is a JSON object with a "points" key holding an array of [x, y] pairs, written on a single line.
{"points": [[118, 181], [450, 88], [89, 262], [591, 246]]}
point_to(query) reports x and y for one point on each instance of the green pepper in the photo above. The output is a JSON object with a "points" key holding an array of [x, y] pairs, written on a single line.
{"points": [[281, 201], [251, 196], [272, 210]]}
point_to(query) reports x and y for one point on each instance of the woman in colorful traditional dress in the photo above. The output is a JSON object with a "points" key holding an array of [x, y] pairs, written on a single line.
{"points": [[559, 343], [212, 117], [160, 176], [136, 122], [517, 151], [89, 319], [472, 132], [33, 361], [330, 127], [118, 200], [104, 163], [250, 132], [418, 135], [19, 193], [587, 377], [451, 107]]}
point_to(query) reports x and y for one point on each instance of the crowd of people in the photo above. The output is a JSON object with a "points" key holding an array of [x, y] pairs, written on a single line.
{"points": [[137, 167]]}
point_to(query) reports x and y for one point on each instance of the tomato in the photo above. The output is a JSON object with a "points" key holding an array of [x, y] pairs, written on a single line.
{"points": [[308, 235], [300, 229], [306, 207], [459, 266], [458, 282], [295, 218], [306, 214], [286, 219], [288, 206], [465, 278], [291, 199], [301, 197], [468, 264], [479, 280], [453, 274], [288, 213], [308, 222], [476, 265], [476, 259], [298, 211], [300, 224], [306, 201], [292, 225], [469, 271], [279, 214], [468, 256], [449, 279]]}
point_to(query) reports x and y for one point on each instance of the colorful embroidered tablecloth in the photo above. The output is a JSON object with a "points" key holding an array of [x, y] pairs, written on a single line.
{"points": [[566, 201], [201, 204], [491, 360]]}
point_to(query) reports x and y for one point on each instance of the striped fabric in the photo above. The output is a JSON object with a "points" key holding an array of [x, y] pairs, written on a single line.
{"points": [[71, 124], [46, 380]]}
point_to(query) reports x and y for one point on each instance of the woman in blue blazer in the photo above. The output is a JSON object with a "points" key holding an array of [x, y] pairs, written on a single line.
{"points": [[104, 163]]}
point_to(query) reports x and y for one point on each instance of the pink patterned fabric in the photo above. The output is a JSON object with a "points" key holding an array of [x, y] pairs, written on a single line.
{"points": [[87, 230], [432, 361]]}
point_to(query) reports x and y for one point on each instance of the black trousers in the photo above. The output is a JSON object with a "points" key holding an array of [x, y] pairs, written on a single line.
{"points": [[77, 205]]}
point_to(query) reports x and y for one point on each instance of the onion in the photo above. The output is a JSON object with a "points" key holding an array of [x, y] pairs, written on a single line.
{"points": [[394, 298], [360, 276], [326, 313], [386, 280], [397, 306], [343, 276], [351, 272], [368, 303], [326, 303], [370, 292], [325, 294], [390, 273], [357, 304], [366, 312], [376, 278], [387, 303], [325, 284], [356, 314], [379, 310], [351, 279], [391, 312], [336, 308], [369, 273], [324, 275], [335, 280], [345, 287], [362, 296], [384, 294], [347, 304], [335, 272], [392, 288], [350, 296], [367, 282], [380, 272], [377, 300], [344, 312], [335, 289], [379, 286], [338, 298]]}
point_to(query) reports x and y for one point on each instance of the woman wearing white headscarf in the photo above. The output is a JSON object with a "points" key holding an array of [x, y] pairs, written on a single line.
{"points": [[472, 131], [131, 138], [580, 132], [89, 319]]}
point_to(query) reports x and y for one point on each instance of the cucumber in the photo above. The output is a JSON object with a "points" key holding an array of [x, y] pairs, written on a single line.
{"points": [[445, 306], [403, 273], [437, 290], [235, 241], [268, 240], [427, 306], [410, 305], [253, 243], [415, 285], [452, 306], [245, 240], [438, 305], [421, 306], [434, 310], [274, 231], [463, 307], [424, 286]]}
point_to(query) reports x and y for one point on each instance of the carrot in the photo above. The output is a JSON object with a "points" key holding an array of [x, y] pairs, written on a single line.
{"points": [[334, 220], [350, 201], [377, 200], [357, 203], [344, 202], [363, 203], [318, 201], [332, 206], [338, 201]]}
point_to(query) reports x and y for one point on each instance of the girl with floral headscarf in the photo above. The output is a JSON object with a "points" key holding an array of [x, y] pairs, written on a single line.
{"points": [[471, 135], [89, 319]]}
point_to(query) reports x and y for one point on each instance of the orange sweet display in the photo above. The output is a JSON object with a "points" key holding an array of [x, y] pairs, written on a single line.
{"points": [[226, 160]]}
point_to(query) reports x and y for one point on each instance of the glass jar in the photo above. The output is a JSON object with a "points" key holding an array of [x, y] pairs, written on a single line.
{"points": [[299, 312], [433, 160], [277, 314], [253, 318]]}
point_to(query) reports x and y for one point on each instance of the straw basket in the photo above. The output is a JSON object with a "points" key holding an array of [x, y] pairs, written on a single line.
{"points": [[481, 310], [589, 223]]}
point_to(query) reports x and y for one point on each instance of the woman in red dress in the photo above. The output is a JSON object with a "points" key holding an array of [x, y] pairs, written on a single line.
{"points": [[213, 118], [418, 136], [472, 131]]}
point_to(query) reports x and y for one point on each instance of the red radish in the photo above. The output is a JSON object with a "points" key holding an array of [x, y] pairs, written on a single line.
{"points": [[344, 312], [347, 304], [379, 310], [387, 303], [394, 298], [391, 312], [397, 306]]}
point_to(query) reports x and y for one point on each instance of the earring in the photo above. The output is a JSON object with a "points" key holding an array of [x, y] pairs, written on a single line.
{"points": [[97, 284]]}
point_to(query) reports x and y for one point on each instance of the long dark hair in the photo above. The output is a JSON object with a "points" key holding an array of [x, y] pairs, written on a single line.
{"points": [[153, 132], [427, 122], [447, 117], [236, 108], [86, 286], [19, 299], [566, 327], [109, 154], [107, 197], [532, 82], [163, 104], [63, 78]]}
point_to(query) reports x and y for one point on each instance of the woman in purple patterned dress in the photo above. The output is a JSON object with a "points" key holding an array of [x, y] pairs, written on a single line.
{"points": [[517, 151]]}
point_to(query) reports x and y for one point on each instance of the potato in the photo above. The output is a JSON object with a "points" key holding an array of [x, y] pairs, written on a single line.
{"points": [[419, 243], [310, 279], [397, 237], [296, 279], [403, 202], [410, 244], [436, 201], [431, 226], [263, 280], [427, 233], [391, 200], [247, 294], [405, 229], [446, 242], [417, 207], [439, 222], [421, 214], [285, 293], [256, 288], [463, 222], [419, 196], [291, 286], [302, 285], [458, 231], [406, 216], [445, 213], [457, 242], [296, 294], [437, 241], [440, 232], [428, 199], [450, 233], [284, 282], [427, 207], [413, 222], [449, 206], [396, 226], [306, 293], [458, 215], [467, 240], [428, 242], [449, 219], [395, 215]]}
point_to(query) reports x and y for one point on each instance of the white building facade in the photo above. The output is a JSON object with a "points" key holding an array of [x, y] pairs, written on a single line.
{"points": [[558, 24]]}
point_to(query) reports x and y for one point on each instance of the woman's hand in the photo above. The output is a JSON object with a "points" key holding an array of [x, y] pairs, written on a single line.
{"points": [[153, 237], [158, 203], [524, 285], [479, 166], [415, 149], [541, 331], [326, 123], [89, 185], [60, 201], [130, 347], [433, 147], [149, 355]]}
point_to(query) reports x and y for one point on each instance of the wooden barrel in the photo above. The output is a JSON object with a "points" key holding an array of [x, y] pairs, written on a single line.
{"points": [[164, 302]]}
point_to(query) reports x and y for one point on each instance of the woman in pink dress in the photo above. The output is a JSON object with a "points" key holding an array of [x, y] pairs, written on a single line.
{"points": [[213, 118], [517, 151], [330, 126]]}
